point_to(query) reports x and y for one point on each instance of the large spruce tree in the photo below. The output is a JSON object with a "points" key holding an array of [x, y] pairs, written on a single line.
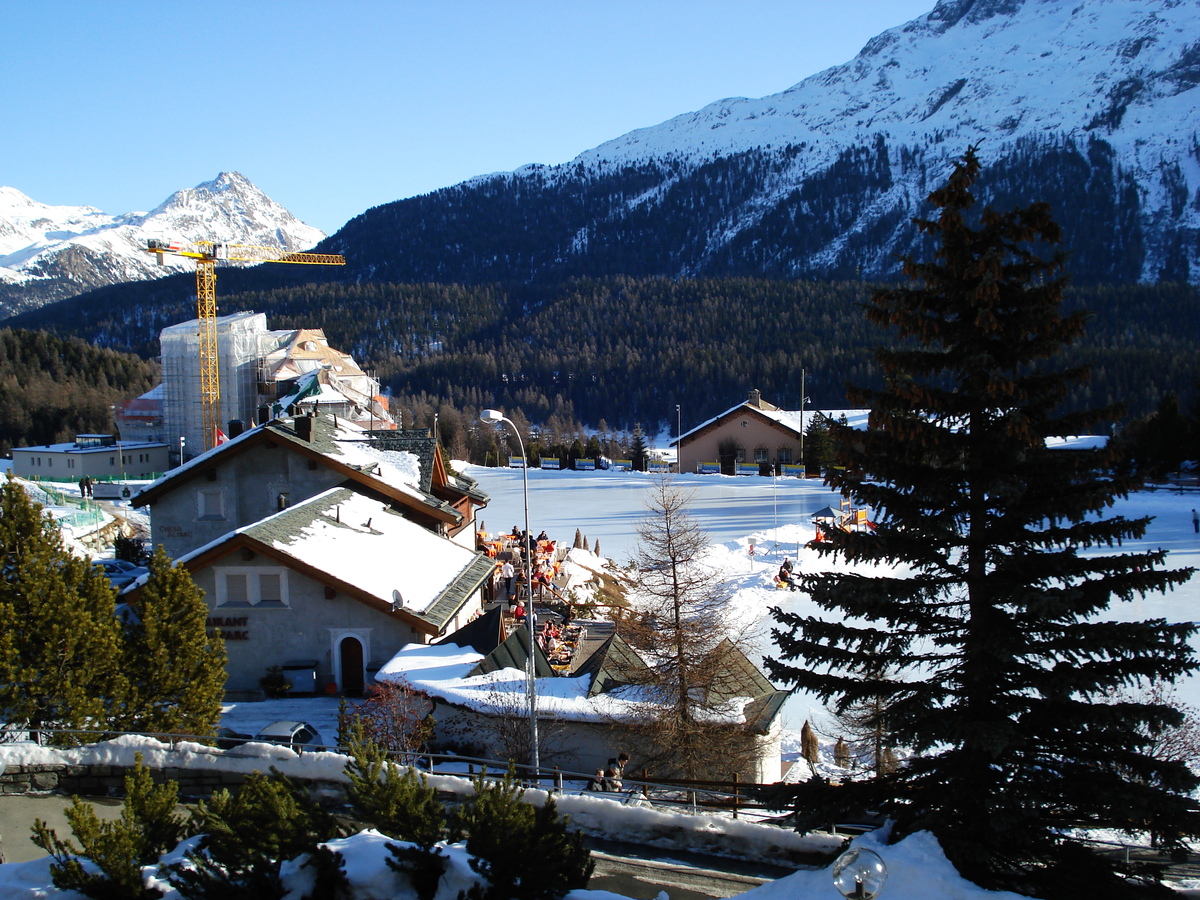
{"points": [[996, 569], [176, 669], [60, 642]]}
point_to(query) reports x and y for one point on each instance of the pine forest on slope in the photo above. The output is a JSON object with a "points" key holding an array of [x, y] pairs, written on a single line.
{"points": [[626, 349]]}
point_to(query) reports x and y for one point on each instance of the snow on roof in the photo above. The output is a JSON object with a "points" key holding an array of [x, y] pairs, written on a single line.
{"points": [[327, 394], [344, 441], [441, 671], [73, 447], [790, 418], [364, 543]]}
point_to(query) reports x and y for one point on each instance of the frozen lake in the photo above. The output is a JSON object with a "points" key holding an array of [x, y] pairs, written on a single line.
{"points": [[737, 510]]}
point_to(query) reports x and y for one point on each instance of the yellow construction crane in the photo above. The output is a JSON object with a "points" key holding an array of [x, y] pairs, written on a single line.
{"points": [[206, 254]]}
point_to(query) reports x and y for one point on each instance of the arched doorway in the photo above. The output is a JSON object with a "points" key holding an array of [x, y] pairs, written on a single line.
{"points": [[350, 651]]}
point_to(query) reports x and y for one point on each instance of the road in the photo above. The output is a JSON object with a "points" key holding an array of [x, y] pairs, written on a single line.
{"points": [[642, 873]]}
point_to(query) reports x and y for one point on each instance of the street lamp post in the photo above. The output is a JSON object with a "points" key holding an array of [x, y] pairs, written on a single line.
{"points": [[678, 436], [495, 417]]}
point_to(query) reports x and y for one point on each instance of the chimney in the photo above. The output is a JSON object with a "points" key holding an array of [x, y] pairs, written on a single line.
{"points": [[236, 427], [756, 399], [304, 428]]}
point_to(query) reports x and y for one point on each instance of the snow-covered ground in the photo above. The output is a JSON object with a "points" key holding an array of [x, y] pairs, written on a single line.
{"points": [[773, 516]]}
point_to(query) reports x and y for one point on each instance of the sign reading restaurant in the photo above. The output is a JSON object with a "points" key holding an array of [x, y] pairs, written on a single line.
{"points": [[226, 625]]}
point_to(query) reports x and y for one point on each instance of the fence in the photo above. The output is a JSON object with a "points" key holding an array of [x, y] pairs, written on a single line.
{"points": [[725, 798], [68, 510]]}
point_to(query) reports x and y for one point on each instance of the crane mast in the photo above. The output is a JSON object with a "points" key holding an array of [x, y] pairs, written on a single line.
{"points": [[206, 254]]}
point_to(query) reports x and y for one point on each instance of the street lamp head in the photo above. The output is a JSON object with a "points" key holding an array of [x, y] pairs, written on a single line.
{"points": [[491, 416]]}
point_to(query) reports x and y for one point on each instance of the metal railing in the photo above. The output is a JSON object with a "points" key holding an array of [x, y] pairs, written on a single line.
{"points": [[733, 798]]}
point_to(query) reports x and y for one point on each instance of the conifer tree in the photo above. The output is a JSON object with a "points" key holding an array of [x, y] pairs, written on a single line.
{"points": [[637, 449], [684, 633], [176, 668], [988, 611], [60, 641]]}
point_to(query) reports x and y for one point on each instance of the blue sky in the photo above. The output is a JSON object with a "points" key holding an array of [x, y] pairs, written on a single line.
{"points": [[332, 108]]}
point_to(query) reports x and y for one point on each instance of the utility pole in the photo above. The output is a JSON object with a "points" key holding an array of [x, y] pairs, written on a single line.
{"points": [[803, 461]]}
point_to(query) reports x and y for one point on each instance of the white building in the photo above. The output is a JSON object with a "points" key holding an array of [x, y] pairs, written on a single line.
{"points": [[255, 367], [98, 456]]}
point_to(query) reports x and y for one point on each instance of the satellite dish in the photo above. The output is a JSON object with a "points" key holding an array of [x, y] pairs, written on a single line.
{"points": [[397, 600]]}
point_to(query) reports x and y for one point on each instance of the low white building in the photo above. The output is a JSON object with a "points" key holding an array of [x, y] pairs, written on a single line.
{"points": [[98, 456], [584, 718]]}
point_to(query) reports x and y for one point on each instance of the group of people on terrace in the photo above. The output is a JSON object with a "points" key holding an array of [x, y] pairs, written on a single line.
{"points": [[508, 551]]}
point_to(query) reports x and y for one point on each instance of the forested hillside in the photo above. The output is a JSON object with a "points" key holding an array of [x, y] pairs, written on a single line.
{"points": [[627, 350], [52, 388], [729, 217]]}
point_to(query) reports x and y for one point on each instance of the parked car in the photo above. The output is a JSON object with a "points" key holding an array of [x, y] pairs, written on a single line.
{"points": [[227, 738], [120, 572], [295, 735]]}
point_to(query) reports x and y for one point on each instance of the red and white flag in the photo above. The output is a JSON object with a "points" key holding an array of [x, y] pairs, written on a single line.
{"points": [[222, 437]]}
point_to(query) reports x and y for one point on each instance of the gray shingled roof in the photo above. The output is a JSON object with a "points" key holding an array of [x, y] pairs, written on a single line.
{"points": [[417, 442], [611, 666], [483, 635], [615, 664], [514, 654], [453, 597], [737, 676], [470, 487], [282, 530]]}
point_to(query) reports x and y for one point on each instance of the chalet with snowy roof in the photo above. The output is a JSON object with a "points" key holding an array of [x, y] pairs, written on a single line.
{"points": [[320, 548], [752, 438], [269, 468], [334, 585], [480, 703]]}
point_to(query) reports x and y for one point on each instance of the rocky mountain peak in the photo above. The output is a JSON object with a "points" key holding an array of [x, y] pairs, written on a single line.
{"points": [[49, 253]]}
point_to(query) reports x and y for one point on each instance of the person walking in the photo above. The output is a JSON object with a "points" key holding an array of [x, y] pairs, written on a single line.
{"points": [[616, 771], [508, 573]]}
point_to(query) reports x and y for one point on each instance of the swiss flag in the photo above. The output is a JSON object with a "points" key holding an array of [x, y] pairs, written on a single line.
{"points": [[222, 437]]}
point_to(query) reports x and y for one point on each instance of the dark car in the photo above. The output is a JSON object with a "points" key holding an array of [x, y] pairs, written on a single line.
{"points": [[295, 735], [120, 572]]}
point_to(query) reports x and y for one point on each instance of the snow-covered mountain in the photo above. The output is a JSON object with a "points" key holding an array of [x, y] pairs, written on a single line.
{"points": [[49, 253], [1091, 105]]}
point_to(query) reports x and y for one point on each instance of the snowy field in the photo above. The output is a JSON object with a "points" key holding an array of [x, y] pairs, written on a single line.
{"points": [[775, 516]]}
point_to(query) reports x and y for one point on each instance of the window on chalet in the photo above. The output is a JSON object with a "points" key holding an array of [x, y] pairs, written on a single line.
{"points": [[210, 504], [263, 588]]}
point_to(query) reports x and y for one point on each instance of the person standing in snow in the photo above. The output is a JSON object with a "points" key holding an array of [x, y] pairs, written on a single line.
{"points": [[1195, 521]]}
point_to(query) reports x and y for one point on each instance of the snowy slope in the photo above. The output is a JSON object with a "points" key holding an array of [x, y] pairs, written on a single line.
{"points": [[52, 252], [1089, 105], [972, 70], [989, 72]]}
